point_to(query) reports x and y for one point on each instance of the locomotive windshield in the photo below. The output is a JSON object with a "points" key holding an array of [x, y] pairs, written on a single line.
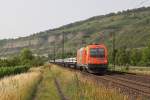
{"points": [[97, 52]]}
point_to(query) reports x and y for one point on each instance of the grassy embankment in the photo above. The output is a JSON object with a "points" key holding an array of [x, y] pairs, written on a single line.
{"points": [[132, 69], [140, 70], [74, 87], [21, 86]]}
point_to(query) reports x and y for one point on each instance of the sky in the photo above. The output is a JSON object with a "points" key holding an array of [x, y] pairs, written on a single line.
{"points": [[20, 18]]}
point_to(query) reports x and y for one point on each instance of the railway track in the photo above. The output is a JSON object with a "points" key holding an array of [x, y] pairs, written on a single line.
{"points": [[130, 84], [136, 87], [138, 78], [125, 85]]}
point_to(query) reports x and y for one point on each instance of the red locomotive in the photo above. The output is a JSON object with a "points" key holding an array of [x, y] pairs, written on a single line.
{"points": [[93, 58]]}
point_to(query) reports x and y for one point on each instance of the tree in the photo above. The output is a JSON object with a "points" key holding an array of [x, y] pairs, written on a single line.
{"points": [[110, 57], [26, 56], [38, 61], [135, 57], [14, 61], [146, 56], [122, 57], [10, 62], [50, 56]]}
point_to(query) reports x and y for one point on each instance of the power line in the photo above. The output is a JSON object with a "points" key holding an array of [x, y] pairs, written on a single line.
{"points": [[142, 2]]}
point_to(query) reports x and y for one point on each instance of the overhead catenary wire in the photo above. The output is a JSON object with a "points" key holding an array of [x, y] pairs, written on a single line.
{"points": [[142, 2]]}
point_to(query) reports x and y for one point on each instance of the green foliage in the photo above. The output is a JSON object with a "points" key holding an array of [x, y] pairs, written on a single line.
{"points": [[59, 55], [4, 62], [122, 57], [146, 56], [26, 54], [25, 58], [19, 64], [13, 61], [12, 70], [135, 57], [38, 61]]}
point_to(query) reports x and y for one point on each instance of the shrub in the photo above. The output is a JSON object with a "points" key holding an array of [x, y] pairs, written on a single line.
{"points": [[135, 57], [4, 71]]}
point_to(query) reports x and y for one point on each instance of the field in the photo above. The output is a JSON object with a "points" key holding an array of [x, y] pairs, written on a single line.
{"points": [[53, 82], [19, 87], [61, 83]]}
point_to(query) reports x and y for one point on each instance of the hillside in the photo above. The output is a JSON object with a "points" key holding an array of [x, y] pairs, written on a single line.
{"points": [[131, 28]]}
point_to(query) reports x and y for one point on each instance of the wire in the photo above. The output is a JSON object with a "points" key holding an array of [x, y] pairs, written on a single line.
{"points": [[142, 2]]}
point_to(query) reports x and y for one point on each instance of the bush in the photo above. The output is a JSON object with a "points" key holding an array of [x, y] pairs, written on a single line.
{"points": [[4, 71], [122, 57], [24, 58], [38, 61], [145, 61], [13, 61], [135, 57], [24, 61]]}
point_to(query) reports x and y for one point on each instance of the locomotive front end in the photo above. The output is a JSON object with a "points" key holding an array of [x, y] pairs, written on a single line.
{"points": [[96, 60]]}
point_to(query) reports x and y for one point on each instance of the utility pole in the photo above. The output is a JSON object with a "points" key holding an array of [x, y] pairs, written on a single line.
{"points": [[82, 43], [63, 49], [101, 37], [114, 51], [54, 51]]}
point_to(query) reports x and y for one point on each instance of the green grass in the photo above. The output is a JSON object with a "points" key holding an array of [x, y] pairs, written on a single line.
{"points": [[47, 89], [78, 88], [74, 87], [139, 70], [131, 69]]}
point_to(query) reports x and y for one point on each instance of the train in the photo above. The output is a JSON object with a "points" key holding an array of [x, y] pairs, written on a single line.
{"points": [[92, 58]]}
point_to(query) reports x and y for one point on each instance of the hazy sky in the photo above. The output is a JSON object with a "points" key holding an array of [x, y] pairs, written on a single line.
{"points": [[24, 17]]}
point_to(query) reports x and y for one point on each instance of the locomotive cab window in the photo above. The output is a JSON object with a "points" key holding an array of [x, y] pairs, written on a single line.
{"points": [[97, 52]]}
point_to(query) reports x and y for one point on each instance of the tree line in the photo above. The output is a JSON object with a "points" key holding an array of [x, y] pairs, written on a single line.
{"points": [[25, 57], [134, 57]]}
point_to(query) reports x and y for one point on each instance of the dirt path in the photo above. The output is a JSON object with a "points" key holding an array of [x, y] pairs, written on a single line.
{"points": [[57, 83], [50, 87], [47, 89]]}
